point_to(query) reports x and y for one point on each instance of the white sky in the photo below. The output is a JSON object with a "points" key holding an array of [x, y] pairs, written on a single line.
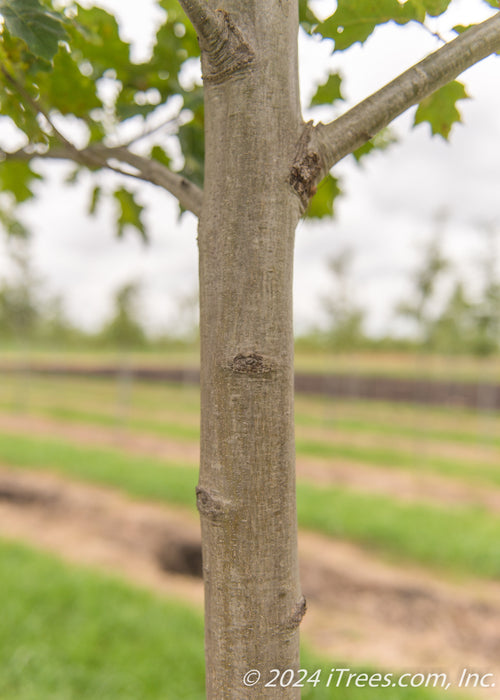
{"points": [[387, 213]]}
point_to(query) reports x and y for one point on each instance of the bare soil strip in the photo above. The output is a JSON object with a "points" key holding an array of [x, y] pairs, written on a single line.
{"points": [[153, 546], [413, 445], [401, 484], [359, 609]]}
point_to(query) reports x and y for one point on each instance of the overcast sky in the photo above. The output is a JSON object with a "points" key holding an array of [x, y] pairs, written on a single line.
{"points": [[387, 213]]}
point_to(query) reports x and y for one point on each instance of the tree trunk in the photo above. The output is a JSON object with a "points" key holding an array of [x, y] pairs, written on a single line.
{"points": [[246, 493]]}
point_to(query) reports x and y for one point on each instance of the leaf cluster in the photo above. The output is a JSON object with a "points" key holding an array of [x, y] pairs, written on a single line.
{"points": [[68, 76]]}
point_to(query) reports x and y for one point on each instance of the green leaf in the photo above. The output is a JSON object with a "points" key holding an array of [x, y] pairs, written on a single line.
{"points": [[322, 204], [72, 177], [95, 39], [329, 92], [40, 29], [160, 155], [66, 89], [492, 3], [307, 18], [431, 7], [12, 226], [355, 20], [176, 42], [16, 177], [94, 200], [436, 7], [129, 213], [440, 108], [379, 142]]}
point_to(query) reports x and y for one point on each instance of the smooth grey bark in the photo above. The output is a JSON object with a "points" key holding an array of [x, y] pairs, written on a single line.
{"points": [[246, 492]]}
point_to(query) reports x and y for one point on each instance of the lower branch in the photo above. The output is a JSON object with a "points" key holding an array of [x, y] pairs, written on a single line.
{"points": [[209, 25], [190, 196]]}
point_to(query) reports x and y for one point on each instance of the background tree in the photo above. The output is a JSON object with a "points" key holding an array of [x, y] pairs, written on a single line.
{"points": [[124, 330], [420, 309], [260, 165], [345, 317], [488, 309], [185, 324], [455, 329], [20, 308], [57, 330]]}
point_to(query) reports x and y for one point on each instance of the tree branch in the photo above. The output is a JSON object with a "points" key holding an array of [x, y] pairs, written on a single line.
{"points": [[175, 121], [190, 196], [324, 145], [99, 156], [209, 25], [224, 50]]}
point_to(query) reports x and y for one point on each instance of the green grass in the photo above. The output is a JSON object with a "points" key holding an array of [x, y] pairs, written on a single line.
{"points": [[68, 633], [143, 477], [175, 430], [369, 455], [463, 540], [398, 459], [104, 395], [481, 429], [71, 634], [168, 357]]}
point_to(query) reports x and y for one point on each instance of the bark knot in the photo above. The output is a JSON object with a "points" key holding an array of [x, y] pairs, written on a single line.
{"points": [[298, 613], [251, 363], [210, 505], [304, 174], [228, 52], [306, 168]]}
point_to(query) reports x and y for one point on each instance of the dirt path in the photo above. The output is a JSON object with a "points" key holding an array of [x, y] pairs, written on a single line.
{"points": [[359, 609], [401, 484]]}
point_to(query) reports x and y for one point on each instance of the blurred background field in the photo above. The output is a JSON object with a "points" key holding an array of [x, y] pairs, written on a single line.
{"points": [[398, 506]]}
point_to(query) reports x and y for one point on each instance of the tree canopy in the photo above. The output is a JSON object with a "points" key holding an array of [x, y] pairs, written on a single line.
{"points": [[73, 91]]}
